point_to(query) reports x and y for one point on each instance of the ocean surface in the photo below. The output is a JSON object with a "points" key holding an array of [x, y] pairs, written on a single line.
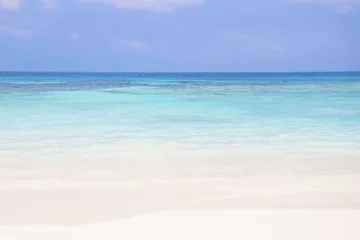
{"points": [[196, 137]]}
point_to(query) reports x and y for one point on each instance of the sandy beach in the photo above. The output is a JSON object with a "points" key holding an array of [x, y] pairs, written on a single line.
{"points": [[207, 224]]}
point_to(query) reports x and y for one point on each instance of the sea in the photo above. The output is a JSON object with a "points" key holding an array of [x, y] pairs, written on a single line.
{"points": [[74, 144]]}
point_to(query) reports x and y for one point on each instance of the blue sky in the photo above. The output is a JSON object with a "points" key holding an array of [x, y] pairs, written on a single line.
{"points": [[180, 35]]}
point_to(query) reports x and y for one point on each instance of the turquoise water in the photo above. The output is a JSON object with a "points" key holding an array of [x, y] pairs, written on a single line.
{"points": [[305, 121], [196, 107]]}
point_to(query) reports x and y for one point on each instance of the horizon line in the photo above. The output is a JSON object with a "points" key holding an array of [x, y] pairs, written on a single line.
{"points": [[37, 71]]}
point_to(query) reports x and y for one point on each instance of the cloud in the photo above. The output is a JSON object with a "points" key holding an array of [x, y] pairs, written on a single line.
{"points": [[75, 36], [331, 41], [49, 4], [345, 8], [16, 4], [342, 6], [135, 44], [276, 47], [16, 32], [344, 2], [151, 5], [236, 35], [10, 4]]}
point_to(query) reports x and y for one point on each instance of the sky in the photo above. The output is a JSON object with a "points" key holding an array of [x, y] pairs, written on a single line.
{"points": [[180, 35]]}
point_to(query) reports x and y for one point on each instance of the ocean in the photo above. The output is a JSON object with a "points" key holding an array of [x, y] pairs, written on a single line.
{"points": [[76, 143]]}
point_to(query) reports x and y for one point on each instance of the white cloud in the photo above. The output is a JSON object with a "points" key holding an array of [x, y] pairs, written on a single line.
{"points": [[276, 47], [345, 8], [10, 4], [49, 4], [342, 6], [151, 5], [236, 35], [16, 4], [344, 2], [75, 36], [135, 44], [16, 32], [331, 41]]}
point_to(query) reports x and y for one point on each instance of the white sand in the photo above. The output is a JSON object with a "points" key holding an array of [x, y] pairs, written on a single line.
{"points": [[158, 194], [207, 224]]}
